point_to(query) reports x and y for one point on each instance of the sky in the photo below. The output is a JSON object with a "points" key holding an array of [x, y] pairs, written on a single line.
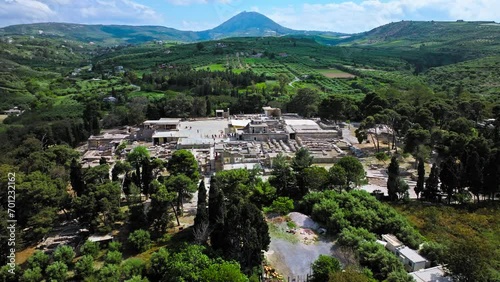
{"points": [[348, 16]]}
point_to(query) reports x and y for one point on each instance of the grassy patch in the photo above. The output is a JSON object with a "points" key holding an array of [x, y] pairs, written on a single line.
{"points": [[149, 95], [335, 73], [280, 233], [213, 67]]}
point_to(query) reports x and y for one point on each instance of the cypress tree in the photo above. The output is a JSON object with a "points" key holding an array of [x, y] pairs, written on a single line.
{"points": [[421, 177], [76, 177], [201, 210], [432, 184], [392, 180], [216, 205]]}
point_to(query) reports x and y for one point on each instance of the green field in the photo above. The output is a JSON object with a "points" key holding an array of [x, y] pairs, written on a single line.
{"points": [[335, 73]]}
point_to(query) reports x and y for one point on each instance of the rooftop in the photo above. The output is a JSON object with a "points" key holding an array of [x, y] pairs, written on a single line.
{"points": [[165, 134], [246, 166], [163, 121], [195, 141], [391, 239], [302, 124], [96, 238], [109, 136], [239, 122], [411, 254]]}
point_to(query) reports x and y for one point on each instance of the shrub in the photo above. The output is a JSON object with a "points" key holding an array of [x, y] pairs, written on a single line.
{"points": [[382, 156], [57, 271], [323, 266], [140, 240], [114, 257], [110, 273], [282, 205], [38, 259], [353, 237], [133, 267], [64, 254], [434, 252], [114, 246], [85, 266], [32, 275], [90, 248]]}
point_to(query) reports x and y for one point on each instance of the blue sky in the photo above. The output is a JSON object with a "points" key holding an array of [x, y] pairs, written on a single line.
{"points": [[334, 15]]}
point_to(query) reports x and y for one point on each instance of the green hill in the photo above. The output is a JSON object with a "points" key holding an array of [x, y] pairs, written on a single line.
{"points": [[101, 34], [435, 35], [479, 77]]}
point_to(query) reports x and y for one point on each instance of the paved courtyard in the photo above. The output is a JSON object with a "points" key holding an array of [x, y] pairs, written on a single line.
{"points": [[204, 129]]}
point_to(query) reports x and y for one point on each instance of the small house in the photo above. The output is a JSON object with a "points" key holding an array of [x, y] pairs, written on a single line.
{"points": [[411, 259], [392, 242]]}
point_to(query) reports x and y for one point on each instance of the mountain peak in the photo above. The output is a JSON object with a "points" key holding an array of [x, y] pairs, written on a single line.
{"points": [[249, 24]]}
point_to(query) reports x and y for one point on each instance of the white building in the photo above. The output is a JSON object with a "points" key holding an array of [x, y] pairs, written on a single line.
{"points": [[411, 259]]}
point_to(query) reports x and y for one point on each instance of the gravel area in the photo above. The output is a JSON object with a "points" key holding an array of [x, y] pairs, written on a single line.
{"points": [[293, 259], [303, 220]]}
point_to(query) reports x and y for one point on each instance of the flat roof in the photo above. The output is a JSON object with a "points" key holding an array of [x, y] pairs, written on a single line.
{"points": [[165, 134], [240, 166], [263, 124], [109, 136], [239, 122], [195, 141], [163, 121], [302, 124], [96, 238], [434, 274], [391, 239], [411, 254]]}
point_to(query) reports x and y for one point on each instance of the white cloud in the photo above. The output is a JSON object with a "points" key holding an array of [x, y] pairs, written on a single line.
{"points": [[24, 11], [353, 17], [89, 11]]}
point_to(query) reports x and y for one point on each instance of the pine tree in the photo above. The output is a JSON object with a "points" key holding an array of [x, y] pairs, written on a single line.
{"points": [[432, 184], [421, 177], [392, 181]]}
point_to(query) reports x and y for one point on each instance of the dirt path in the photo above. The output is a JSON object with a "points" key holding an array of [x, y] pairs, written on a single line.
{"points": [[293, 81]]}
